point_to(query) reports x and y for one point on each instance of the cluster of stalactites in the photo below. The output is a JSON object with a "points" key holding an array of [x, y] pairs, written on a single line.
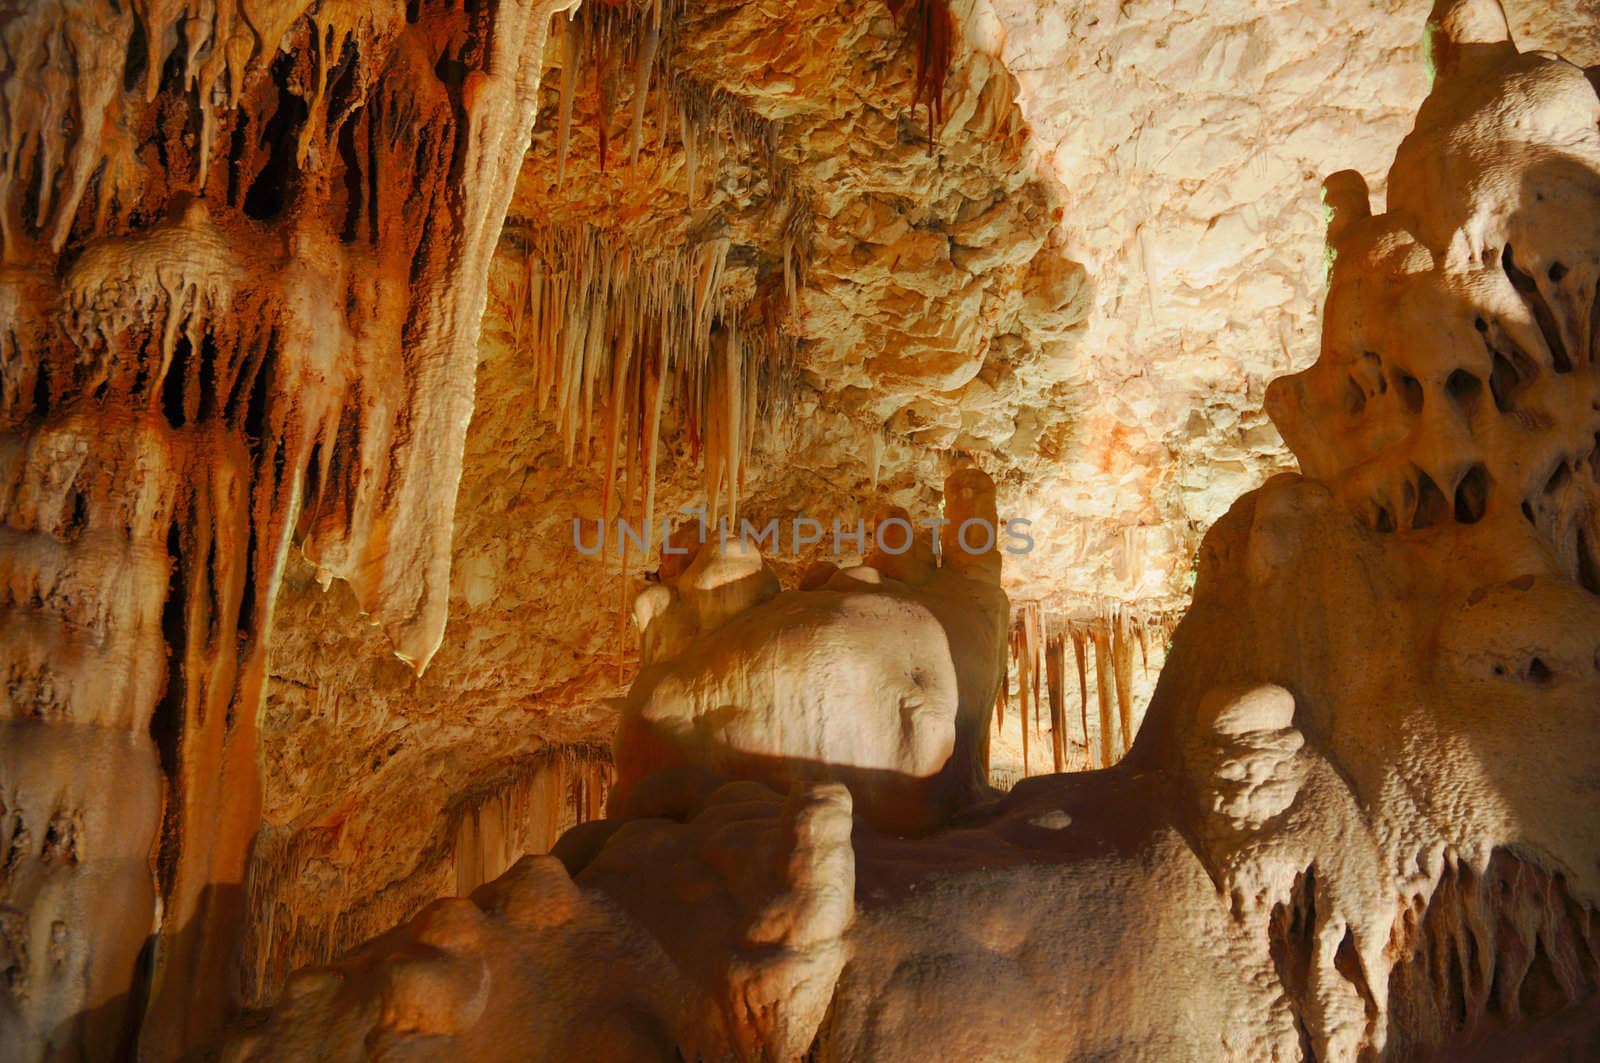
{"points": [[931, 28], [244, 256], [186, 299], [623, 57], [623, 48], [605, 43], [630, 339], [1103, 644], [80, 77], [615, 331], [481, 835], [527, 814]]}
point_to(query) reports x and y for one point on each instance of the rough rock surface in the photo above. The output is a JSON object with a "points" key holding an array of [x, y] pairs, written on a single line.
{"points": [[244, 255], [243, 258], [916, 651], [1122, 418], [1357, 819]]}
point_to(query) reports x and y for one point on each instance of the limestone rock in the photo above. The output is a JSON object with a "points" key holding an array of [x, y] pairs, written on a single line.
{"points": [[886, 684], [1357, 820]]}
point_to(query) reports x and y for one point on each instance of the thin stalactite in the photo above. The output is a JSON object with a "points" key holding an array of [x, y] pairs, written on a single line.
{"points": [[1103, 680], [1078, 637], [1122, 663], [1054, 672]]}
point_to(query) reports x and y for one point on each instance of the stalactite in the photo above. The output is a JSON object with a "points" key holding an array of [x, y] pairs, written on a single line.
{"points": [[1102, 675], [724, 423], [1083, 693], [608, 303], [1055, 666], [1122, 661], [1035, 646], [1000, 699], [691, 156], [1025, 678], [655, 392], [621, 327], [263, 313], [931, 27], [1504, 944], [524, 809], [571, 45], [525, 814], [605, 92], [1022, 720], [643, 69], [666, 108], [1032, 619]]}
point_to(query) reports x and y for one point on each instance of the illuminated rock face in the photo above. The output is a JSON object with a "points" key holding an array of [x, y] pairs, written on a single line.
{"points": [[1358, 818], [1118, 406], [243, 258], [1459, 380], [884, 676]]}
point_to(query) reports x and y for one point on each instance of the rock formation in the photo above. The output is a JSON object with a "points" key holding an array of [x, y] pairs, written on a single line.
{"points": [[256, 258], [915, 651], [244, 253], [1118, 406], [1357, 820]]}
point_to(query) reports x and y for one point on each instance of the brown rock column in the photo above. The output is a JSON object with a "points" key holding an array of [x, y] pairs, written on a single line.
{"points": [[242, 265]]}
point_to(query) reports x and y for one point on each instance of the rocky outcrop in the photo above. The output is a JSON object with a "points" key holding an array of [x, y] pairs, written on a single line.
{"points": [[731, 954]]}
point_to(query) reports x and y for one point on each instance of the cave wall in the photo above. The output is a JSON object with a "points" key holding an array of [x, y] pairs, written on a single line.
{"points": [[547, 633], [245, 256]]}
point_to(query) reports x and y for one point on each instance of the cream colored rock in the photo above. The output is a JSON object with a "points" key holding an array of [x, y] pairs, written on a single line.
{"points": [[882, 682], [532, 966], [732, 953], [1117, 403]]}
